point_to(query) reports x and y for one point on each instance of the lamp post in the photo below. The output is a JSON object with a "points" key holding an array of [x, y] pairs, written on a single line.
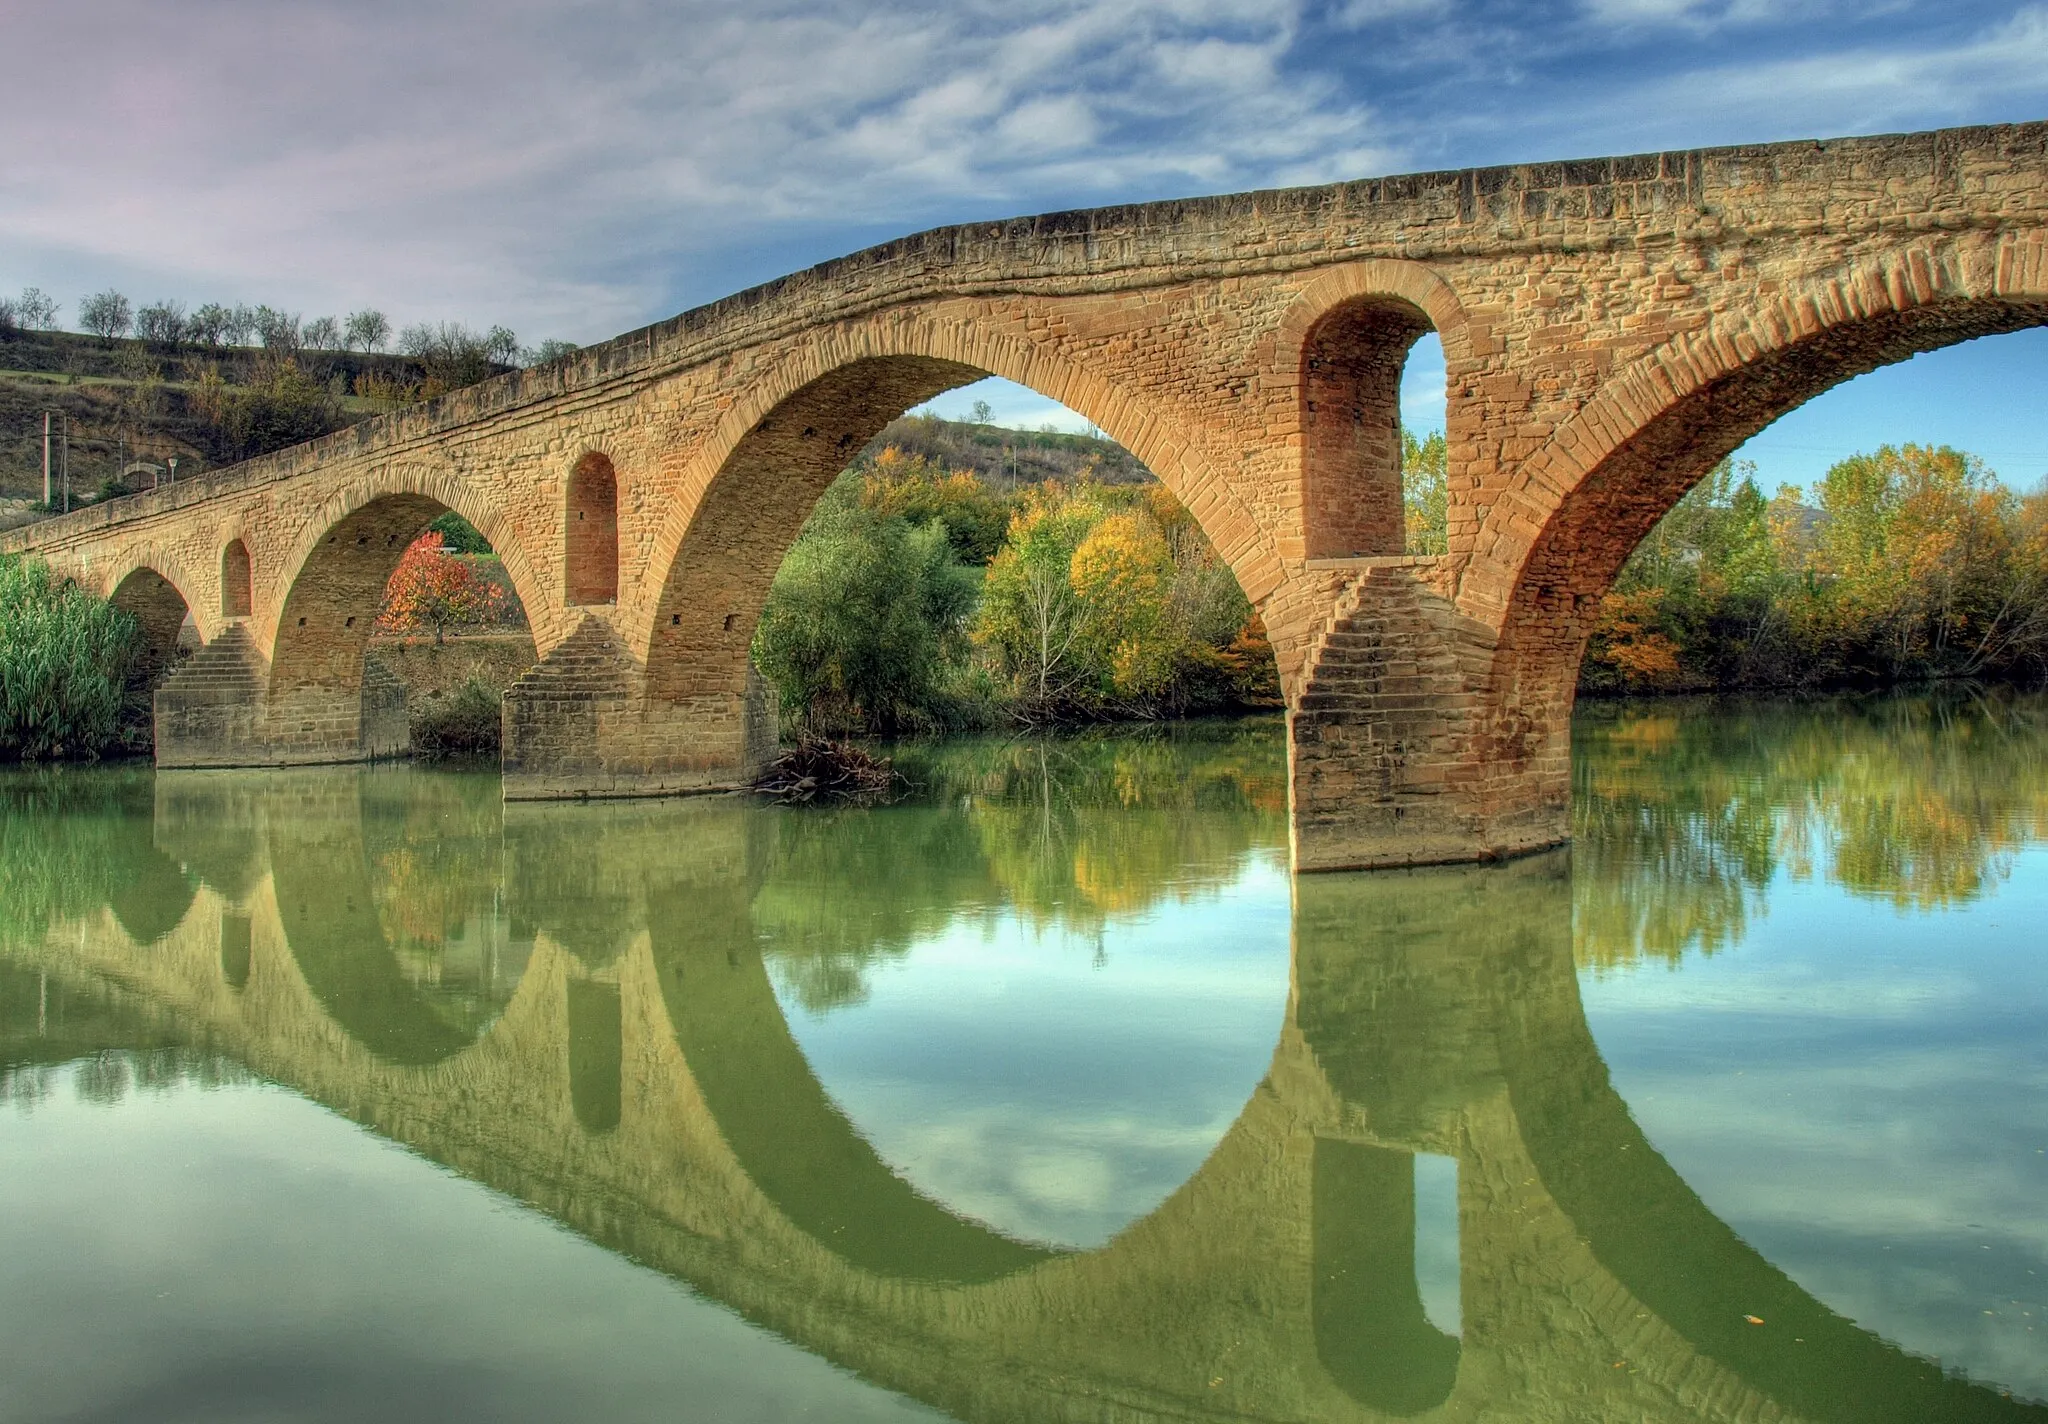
{"points": [[173, 460]]}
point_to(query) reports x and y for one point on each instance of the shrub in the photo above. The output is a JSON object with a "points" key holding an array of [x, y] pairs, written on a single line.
{"points": [[432, 588], [466, 723], [64, 659], [859, 620]]}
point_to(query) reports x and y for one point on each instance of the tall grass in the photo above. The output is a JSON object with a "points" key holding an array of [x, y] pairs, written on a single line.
{"points": [[64, 659]]}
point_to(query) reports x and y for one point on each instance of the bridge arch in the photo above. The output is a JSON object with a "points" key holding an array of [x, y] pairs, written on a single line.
{"points": [[237, 580], [1346, 338], [1657, 428], [325, 701], [159, 607], [745, 496], [438, 486]]}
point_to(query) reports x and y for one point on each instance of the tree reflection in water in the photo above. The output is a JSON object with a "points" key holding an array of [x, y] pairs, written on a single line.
{"points": [[1681, 820], [1063, 833]]}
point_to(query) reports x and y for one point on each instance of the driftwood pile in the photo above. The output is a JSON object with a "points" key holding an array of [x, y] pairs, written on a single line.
{"points": [[819, 769]]}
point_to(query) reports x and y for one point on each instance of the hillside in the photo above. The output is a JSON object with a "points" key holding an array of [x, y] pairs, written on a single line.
{"points": [[1008, 458], [132, 402]]}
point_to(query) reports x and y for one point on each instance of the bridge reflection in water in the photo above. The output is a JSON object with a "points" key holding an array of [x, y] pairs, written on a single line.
{"points": [[595, 1032]]}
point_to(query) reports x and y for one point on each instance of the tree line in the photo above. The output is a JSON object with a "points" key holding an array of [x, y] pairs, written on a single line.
{"points": [[1913, 562], [216, 326], [919, 598]]}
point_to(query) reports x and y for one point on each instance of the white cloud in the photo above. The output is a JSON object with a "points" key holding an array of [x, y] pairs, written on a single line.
{"points": [[554, 167], [578, 170]]}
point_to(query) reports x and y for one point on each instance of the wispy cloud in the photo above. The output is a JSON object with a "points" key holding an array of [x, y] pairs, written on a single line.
{"points": [[576, 170]]}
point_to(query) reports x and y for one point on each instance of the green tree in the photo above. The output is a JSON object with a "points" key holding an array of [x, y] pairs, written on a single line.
{"points": [[459, 536], [1425, 494], [860, 619], [1031, 619]]}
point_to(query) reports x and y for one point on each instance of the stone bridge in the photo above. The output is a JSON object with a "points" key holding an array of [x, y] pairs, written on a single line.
{"points": [[641, 1086], [1613, 327]]}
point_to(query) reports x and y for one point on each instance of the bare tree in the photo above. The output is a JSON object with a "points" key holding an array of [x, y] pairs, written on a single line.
{"points": [[368, 329], [35, 310], [277, 330], [162, 322], [10, 317], [209, 325], [1052, 623], [452, 354], [545, 352], [240, 327], [106, 314], [322, 334], [501, 345]]}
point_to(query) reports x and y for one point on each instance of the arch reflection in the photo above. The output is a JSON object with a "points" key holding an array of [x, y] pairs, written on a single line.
{"points": [[651, 1096], [388, 895]]}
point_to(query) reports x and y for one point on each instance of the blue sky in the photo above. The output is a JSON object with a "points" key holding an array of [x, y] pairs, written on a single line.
{"points": [[575, 171]]}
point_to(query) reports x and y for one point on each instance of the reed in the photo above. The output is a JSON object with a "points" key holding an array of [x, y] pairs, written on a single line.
{"points": [[64, 661]]}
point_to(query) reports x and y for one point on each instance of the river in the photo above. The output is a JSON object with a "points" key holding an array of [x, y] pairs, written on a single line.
{"points": [[1042, 1093]]}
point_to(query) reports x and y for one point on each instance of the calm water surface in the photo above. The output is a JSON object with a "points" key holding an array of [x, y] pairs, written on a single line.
{"points": [[1046, 1094]]}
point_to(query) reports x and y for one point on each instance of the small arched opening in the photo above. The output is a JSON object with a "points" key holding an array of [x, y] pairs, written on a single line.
{"points": [[591, 537], [1353, 499], [167, 634], [596, 1054], [236, 591]]}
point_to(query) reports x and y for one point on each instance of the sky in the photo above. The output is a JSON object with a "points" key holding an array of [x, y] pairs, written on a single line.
{"points": [[574, 170]]}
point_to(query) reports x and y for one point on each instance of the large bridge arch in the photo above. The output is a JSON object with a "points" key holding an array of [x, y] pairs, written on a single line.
{"points": [[1553, 542], [747, 491]]}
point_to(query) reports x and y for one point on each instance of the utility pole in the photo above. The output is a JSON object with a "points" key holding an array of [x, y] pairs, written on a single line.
{"points": [[47, 491], [64, 466]]}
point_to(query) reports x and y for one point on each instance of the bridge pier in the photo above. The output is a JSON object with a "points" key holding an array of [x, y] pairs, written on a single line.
{"points": [[583, 722], [218, 711], [1395, 747]]}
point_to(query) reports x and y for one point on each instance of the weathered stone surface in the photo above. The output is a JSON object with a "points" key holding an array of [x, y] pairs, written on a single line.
{"points": [[1611, 328]]}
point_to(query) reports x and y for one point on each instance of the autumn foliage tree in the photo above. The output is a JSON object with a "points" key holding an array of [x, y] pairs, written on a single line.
{"points": [[1914, 562], [1107, 601], [433, 588]]}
